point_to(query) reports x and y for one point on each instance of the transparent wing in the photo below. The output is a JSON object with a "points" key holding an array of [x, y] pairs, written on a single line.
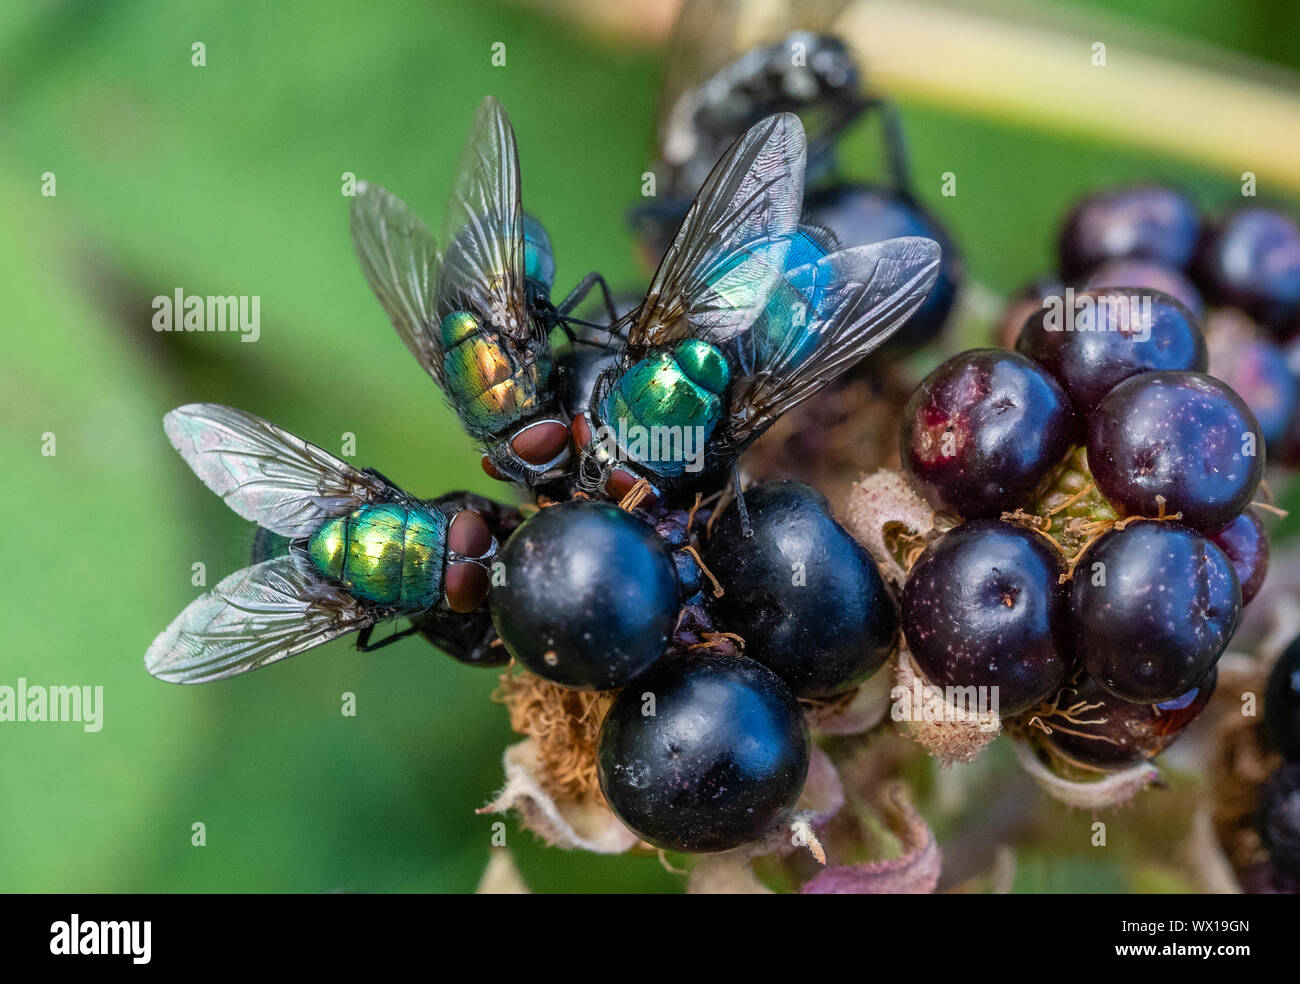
{"points": [[400, 260], [266, 474], [711, 34], [705, 36], [729, 251], [254, 617], [482, 231], [856, 298]]}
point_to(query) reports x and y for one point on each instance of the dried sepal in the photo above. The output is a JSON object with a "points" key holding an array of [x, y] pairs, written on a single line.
{"points": [[941, 727], [725, 874], [581, 822], [823, 792], [565, 726], [1111, 789], [914, 872], [887, 516], [865, 709]]}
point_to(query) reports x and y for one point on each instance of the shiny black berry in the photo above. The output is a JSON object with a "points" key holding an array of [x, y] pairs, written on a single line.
{"points": [[587, 597], [1282, 703], [807, 598], [1245, 541], [1097, 730], [1278, 820], [1152, 606], [1183, 436], [1108, 335], [1147, 275], [983, 606], [856, 213], [983, 430], [1151, 222], [704, 753], [1251, 259]]}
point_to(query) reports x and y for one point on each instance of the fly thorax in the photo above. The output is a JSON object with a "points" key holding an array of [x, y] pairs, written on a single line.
{"points": [[664, 408], [704, 364]]}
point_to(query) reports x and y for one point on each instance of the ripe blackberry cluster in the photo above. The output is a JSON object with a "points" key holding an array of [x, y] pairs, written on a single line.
{"points": [[712, 638], [1096, 485], [1238, 273]]}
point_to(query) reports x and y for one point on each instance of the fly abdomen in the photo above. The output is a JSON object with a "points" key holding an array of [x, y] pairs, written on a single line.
{"points": [[488, 389], [385, 554]]}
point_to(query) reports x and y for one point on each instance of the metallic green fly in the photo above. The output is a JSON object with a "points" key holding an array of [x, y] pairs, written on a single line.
{"points": [[478, 317], [359, 551], [749, 314]]}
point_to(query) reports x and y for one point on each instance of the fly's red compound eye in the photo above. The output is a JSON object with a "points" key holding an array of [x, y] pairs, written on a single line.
{"points": [[465, 585], [469, 535], [491, 469], [542, 442], [620, 483], [581, 431]]}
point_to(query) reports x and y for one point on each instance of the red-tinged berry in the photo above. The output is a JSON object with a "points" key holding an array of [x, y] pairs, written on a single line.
{"points": [[1093, 729], [982, 431]]}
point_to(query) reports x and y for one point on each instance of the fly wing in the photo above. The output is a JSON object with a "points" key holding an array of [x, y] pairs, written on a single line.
{"points": [[856, 298], [255, 617], [483, 231], [729, 251], [399, 258], [704, 38], [266, 474]]}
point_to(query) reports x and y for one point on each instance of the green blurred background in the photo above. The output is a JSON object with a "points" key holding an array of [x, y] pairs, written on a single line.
{"points": [[226, 180]]}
